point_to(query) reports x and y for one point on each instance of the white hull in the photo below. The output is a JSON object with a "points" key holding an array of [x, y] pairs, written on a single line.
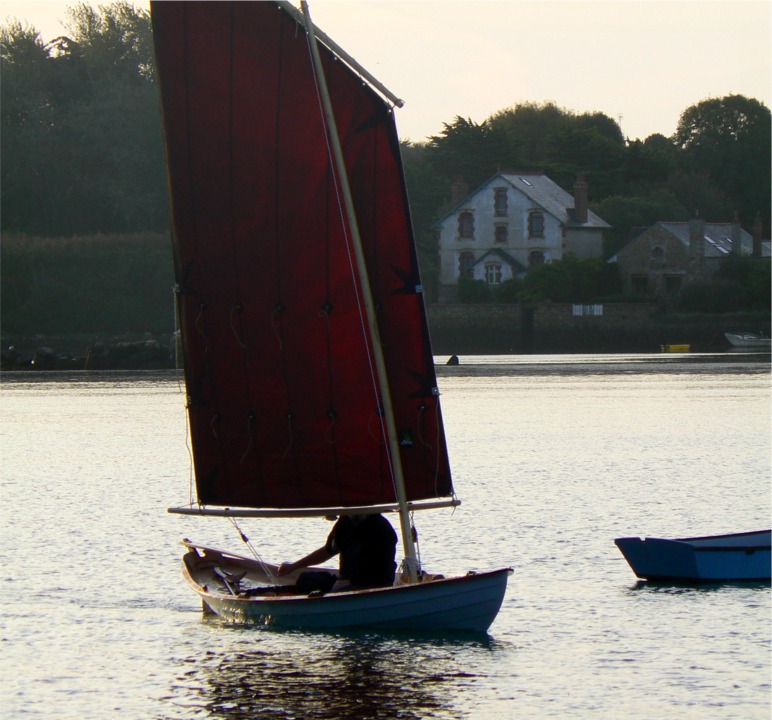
{"points": [[467, 603], [748, 341], [740, 557]]}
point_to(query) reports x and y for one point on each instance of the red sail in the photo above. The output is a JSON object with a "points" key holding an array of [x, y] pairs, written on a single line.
{"points": [[284, 408]]}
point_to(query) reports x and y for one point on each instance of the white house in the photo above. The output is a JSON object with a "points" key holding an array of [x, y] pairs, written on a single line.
{"points": [[513, 221]]}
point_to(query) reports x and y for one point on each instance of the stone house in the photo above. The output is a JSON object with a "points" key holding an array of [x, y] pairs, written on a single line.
{"points": [[512, 222], [659, 261]]}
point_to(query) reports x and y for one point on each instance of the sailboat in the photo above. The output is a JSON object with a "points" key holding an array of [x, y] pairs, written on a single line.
{"points": [[309, 374]]}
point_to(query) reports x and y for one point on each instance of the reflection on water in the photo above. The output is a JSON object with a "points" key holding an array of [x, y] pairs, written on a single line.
{"points": [[310, 675], [681, 588], [553, 457]]}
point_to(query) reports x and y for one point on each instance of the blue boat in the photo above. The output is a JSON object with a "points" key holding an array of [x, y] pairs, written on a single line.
{"points": [[738, 557], [243, 590]]}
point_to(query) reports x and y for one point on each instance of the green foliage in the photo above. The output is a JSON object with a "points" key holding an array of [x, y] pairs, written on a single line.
{"points": [[82, 154], [473, 291], [740, 285], [626, 212], [82, 149], [508, 292], [111, 283], [730, 140], [752, 276], [572, 280], [711, 297]]}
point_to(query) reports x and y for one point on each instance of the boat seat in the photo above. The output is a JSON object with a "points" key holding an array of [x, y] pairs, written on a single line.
{"points": [[231, 580]]}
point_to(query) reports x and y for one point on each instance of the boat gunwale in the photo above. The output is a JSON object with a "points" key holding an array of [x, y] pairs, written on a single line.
{"points": [[342, 595], [724, 536], [339, 596], [701, 538]]}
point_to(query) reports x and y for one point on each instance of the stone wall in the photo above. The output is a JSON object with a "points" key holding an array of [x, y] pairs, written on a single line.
{"points": [[554, 328]]}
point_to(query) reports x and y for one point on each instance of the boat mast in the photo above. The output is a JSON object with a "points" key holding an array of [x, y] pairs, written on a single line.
{"points": [[380, 364]]}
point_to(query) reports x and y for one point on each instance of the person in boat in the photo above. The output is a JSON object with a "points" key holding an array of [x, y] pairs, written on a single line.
{"points": [[367, 546]]}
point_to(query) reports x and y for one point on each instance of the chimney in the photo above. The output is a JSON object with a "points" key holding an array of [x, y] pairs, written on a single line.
{"points": [[696, 237], [458, 190], [757, 230], [737, 237], [580, 199]]}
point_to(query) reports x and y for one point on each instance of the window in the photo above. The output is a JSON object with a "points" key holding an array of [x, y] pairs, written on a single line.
{"points": [[466, 225], [657, 254], [493, 273], [501, 233], [673, 284], [500, 202], [465, 263], [535, 223], [587, 310], [640, 285], [535, 257]]}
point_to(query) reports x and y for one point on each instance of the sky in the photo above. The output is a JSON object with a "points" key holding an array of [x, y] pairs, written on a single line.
{"points": [[641, 62]]}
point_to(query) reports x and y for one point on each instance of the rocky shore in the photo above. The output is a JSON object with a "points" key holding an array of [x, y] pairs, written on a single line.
{"points": [[128, 352]]}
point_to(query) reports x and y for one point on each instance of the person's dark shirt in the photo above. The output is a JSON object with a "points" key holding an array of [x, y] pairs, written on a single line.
{"points": [[367, 547]]}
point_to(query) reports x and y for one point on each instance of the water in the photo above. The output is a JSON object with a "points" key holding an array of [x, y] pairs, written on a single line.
{"points": [[553, 458]]}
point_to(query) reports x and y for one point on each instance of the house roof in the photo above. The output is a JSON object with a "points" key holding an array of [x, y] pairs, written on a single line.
{"points": [[505, 256], [554, 199], [718, 239], [544, 193]]}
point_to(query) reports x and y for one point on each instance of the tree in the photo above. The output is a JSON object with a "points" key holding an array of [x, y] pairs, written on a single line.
{"points": [[528, 128], [468, 149], [572, 280], [27, 117], [626, 212], [729, 140], [82, 144]]}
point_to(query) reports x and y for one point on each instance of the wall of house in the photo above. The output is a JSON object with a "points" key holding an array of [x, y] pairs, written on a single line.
{"points": [[655, 255], [584, 242], [518, 244]]}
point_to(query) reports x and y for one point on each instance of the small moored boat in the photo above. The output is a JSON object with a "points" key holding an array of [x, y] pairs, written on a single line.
{"points": [[717, 558], [749, 341]]}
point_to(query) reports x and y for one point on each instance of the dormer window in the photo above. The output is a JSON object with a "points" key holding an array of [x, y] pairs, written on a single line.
{"points": [[500, 202], [493, 273], [536, 224], [466, 225]]}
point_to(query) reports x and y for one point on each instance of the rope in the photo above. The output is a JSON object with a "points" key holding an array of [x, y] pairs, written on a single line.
{"points": [[291, 436], [414, 531], [265, 568], [238, 308], [251, 422], [279, 308], [200, 330]]}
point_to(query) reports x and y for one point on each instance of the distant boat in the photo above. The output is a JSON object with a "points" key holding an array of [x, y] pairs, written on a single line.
{"points": [[675, 348], [715, 558], [311, 388], [749, 341]]}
